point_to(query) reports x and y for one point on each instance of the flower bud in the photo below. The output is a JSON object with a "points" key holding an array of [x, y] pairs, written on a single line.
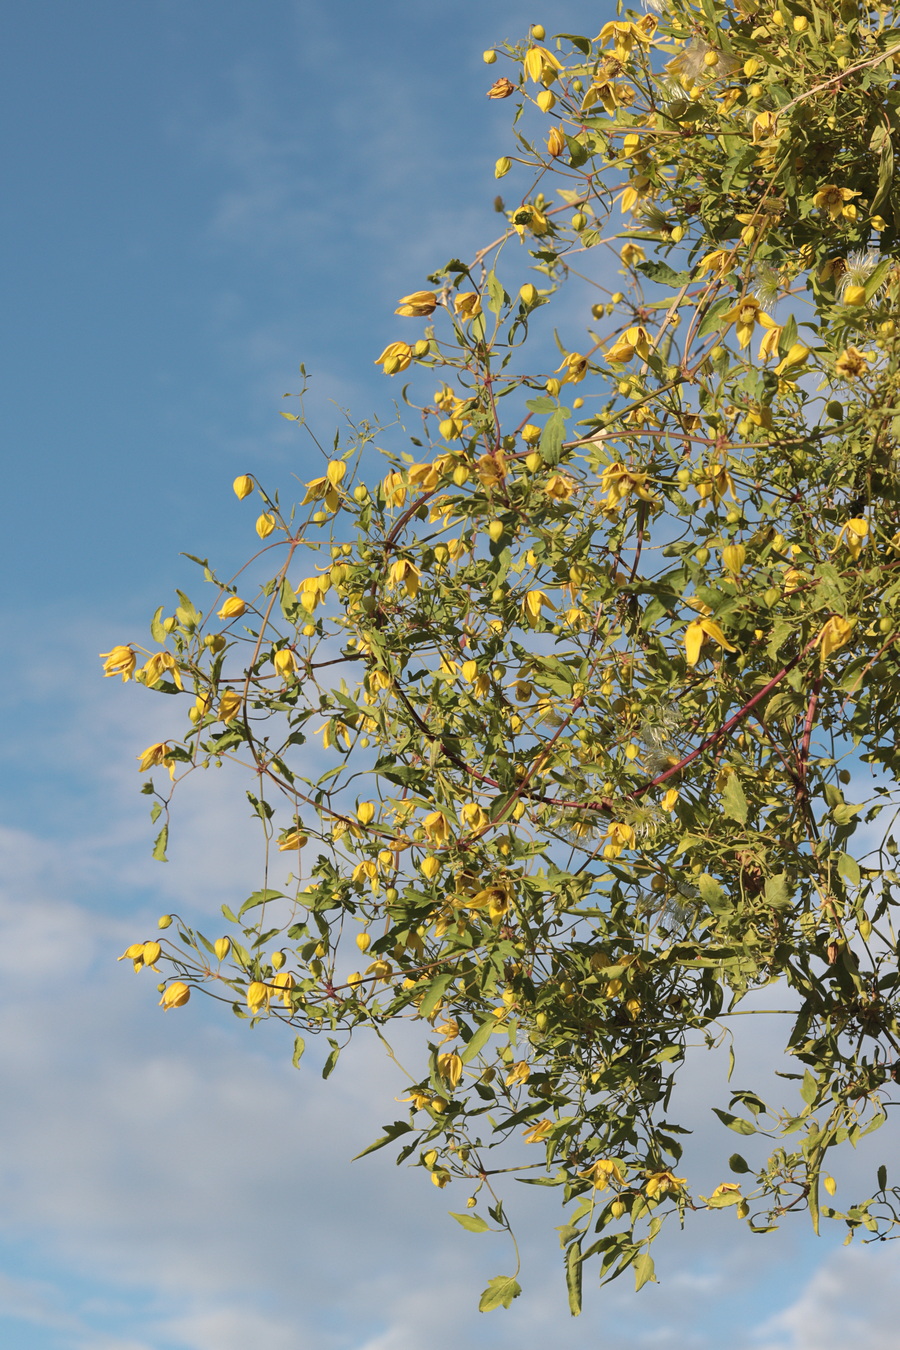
{"points": [[533, 462], [243, 486], [363, 941], [360, 492], [733, 556], [528, 294], [854, 295], [164, 921], [214, 641], [233, 608], [175, 995], [278, 960], [502, 167], [151, 953], [430, 867], [265, 525], [257, 995], [538, 32], [546, 100], [221, 947], [284, 663], [335, 472], [495, 530], [489, 57], [365, 812]]}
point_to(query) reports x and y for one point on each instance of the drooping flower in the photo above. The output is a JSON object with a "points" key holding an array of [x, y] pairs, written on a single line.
{"points": [[233, 608], [696, 633], [175, 995], [159, 753], [120, 661], [418, 305], [395, 357]]}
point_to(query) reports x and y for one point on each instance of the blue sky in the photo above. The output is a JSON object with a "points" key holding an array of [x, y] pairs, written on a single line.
{"points": [[197, 198]]}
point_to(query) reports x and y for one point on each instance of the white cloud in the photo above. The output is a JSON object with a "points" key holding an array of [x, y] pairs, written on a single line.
{"points": [[850, 1300]]}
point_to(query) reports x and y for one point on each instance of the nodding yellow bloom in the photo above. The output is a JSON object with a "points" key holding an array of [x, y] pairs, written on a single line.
{"points": [[450, 1068], [395, 357], [603, 1172], [532, 604], [467, 304], [135, 954], [624, 35], [426, 476], [258, 995], [233, 608], [855, 532], [765, 126], [406, 574], [696, 634], [538, 1132], [795, 357], [365, 813], [556, 142], [620, 837], [619, 482], [770, 339], [322, 490], [296, 839], [418, 305], [175, 996], [575, 366], [631, 196], [243, 486], [229, 705], [630, 254], [284, 983], [437, 827], [541, 66], [265, 525], [733, 556], [836, 202], [559, 488], [284, 663], [745, 315], [394, 489], [154, 669], [720, 261], [519, 1073], [120, 661], [633, 340], [336, 471], [835, 633], [160, 753], [668, 799], [661, 1183]]}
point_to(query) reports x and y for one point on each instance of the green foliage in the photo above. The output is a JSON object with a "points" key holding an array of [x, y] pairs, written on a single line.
{"points": [[592, 670]]}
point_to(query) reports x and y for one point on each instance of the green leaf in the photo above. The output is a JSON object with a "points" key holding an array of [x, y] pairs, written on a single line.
{"points": [[497, 296], [573, 1277], [328, 1067], [159, 846], [391, 1132], [500, 1293], [735, 1122], [474, 1223], [644, 1270], [779, 892], [157, 632], [577, 151], [713, 320], [435, 993], [738, 1164], [479, 1039], [711, 892], [734, 800], [582, 43], [258, 898], [882, 1177], [848, 868], [299, 1047], [553, 435]]}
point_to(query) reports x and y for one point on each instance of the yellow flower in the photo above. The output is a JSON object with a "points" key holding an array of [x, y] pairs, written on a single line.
{"points": [[556, 142], [745, 315], [229, 705], [532, 604], [765, 125], [733, 556], [538, 1132], [530, 434], [284, 983], [855, 531], [559, 488], [770, 339], [152, 671], [834, 201], [835, 633], [618, 483], [395, 357], [265, 525], [575, 366], [243, 486], [134, 953], [720, 261], [631, 253], [296, 839], [437, 827], [624, 35], [603, 1172], [795, 357], [120, 661], [669, 799], [418, 305], [540, 65], [284, 663], [365, 813], [519, 1073], [696, 634], [450, 1068], [156, 754], [852, 363], [406, 574], [175, 996], [233, 608], [467, 304], [221, 947], [632, 340], [660, 1183], [258, 995]]}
